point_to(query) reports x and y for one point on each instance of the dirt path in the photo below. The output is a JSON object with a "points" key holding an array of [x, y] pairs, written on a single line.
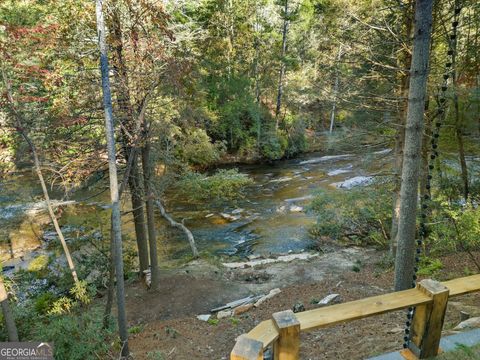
{"points": [[170, 330]]}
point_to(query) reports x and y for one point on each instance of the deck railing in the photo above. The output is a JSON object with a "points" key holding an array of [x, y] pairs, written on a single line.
{"points": [[429, 297]]}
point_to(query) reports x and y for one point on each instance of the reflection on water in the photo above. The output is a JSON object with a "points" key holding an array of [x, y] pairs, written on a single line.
{"points": [[272, 218]]}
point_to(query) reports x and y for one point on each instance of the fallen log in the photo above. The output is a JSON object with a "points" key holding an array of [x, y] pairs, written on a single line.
{"points": [[240, 302], [180, 226]]}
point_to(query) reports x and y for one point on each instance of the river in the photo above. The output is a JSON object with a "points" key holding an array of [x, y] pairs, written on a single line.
{"points": [[272, 217]]}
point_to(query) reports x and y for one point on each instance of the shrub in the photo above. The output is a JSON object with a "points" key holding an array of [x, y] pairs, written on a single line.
{"points": [[44, 302], [224, 185], [198, 149], [274, 145], [76, 336], [361, 216]]}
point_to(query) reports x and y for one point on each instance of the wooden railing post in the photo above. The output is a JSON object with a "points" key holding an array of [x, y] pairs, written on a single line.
{"points": [[247, 349], [287, 346], [427, 323]]}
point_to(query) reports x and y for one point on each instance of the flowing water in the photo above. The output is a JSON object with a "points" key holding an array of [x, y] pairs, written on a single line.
{"points": [[271, 218]]}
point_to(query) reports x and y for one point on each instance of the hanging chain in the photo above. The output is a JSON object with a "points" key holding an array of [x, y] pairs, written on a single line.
{"points": [[426, 200]]}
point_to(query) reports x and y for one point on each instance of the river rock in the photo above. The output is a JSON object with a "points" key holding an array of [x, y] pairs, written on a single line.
{"points": [[282, 258], [296, 208], [238, 211], [230, 217], [324, 158], [270, 295], [242, 309], [329, 298], [281, 209], [224, 314], [282, 179], [298, 307], [353, 182], [338, 172], [204, 317], [469, 323]]}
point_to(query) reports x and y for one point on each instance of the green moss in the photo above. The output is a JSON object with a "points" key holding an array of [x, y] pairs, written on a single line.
{"points": [[39, 263]]}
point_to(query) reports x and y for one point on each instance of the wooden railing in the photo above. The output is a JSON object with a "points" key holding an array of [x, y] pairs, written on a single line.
{"points": [[429, 297]]}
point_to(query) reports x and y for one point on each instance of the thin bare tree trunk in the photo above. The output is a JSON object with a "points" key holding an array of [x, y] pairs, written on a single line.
{"points": [[131, 127], [404, 261], [114, 193], [286, 22], [152, 235], [404, 62], [37, 167], [335, 89], [180, 226], [111, 264], [458, 119], [7, 314]]}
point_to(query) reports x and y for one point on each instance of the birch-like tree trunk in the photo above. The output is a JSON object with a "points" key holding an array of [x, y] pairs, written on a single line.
{"points": [[37, 166], [112, 166], [404, 261]]}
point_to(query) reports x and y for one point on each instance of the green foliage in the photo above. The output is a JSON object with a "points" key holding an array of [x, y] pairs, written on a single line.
{"points": [[39, 263], [44, 303], [274, 145], [198, 149], [77, 336], [137, 329], [213, 321], [429, 267], [297, 141], [360, 215], [457, 228], [223, 185]]}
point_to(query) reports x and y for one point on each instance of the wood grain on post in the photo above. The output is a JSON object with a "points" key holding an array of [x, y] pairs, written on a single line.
{"points": [[428, 320], [247, 349], [287, 346]]}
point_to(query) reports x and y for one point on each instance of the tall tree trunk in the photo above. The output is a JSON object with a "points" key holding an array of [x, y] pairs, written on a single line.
{"points": [[286, 22], [152, 236], [458, 119], [256, 77], [7, 314], [114, 193], [335, 89], [404, 62], [38, 170], [130, 132], [404, 261], [111, 265]]}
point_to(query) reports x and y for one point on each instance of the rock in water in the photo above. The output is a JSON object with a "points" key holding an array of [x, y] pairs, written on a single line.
{"points": [[296, 208]]}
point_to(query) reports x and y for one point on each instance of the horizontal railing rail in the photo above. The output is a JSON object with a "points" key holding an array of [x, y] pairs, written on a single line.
{"points": [[429, 297]]}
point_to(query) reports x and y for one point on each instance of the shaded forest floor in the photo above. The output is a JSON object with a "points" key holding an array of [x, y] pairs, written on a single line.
{"points": [[167, 327]]}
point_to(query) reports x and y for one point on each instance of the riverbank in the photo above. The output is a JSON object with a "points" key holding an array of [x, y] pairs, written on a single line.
{"points": [[168, 325]]}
